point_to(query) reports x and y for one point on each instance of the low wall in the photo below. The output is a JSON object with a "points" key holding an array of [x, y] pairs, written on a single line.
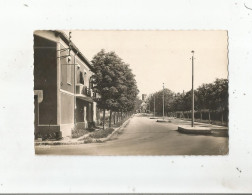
{"points": [[66, 129], [54, 131], [46, 131]]}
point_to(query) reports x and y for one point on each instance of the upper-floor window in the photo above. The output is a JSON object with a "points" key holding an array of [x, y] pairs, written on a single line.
{"points": [[79, 75], [92, 82]]}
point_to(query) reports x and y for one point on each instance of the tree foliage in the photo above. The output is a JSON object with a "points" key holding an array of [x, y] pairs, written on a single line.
{"points": [[115, 82], [212, 96]]}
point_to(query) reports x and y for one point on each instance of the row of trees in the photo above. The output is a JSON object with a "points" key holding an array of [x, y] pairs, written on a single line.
{"points": [[210, 97], [116, 84]]}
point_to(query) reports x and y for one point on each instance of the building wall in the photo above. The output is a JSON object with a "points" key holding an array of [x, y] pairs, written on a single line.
{"points": [[45, 78], [64, 65], [67, 108], [67, 91], [49, 35], [36, 114], [83, 68], [80, 115], [80, 104], [144, 97], [79, 67], [90, 112], [56, 111]]}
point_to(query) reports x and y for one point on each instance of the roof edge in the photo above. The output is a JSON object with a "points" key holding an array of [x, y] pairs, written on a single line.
{"points": [[64, 37]]}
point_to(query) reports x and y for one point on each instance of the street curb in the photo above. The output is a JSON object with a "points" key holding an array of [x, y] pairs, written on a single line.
{"points": [[163, 121], [54, 143], [216, 130], [117, 129], [199, 130], [212, 132]]}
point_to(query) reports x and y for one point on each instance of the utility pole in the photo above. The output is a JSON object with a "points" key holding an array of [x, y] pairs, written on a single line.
{"points": [[163, 101], [192, 89], [69, 54], [75, 87], [154, 106]]}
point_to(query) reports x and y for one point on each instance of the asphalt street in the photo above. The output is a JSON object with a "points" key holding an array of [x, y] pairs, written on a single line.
{"points": [[145, 136]]}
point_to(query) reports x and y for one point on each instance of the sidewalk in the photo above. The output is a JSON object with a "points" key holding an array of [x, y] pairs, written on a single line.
{"points": [[81, 140], [202, 128], [63, 141]]}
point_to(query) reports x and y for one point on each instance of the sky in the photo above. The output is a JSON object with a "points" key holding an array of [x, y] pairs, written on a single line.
{"points": [[158, 57]]}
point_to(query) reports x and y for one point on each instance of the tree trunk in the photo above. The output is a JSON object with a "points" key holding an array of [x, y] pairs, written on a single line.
{"points": [[110, 116], [103, 119], [114, 118], [200, 116]]}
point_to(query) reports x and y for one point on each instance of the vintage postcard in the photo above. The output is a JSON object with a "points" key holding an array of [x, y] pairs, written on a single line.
{"points": [[126, 96], [131, 92]]}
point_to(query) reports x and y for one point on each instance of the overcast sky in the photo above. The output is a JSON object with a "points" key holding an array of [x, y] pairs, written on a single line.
{"points": [[157, 57]]}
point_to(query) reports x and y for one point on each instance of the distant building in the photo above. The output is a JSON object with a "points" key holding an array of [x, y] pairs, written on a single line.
{"points": [[144, 104], [143, 107], [144, 97]]}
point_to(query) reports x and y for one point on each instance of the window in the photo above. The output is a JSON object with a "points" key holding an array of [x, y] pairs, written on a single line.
{"points": [[81, 78], [91, 82]]}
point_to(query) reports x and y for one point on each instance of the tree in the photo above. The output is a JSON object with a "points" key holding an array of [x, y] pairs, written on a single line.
{"points": [[177, 104], [103, 64], [138, 103], [211, 96], [115, 83], [220, 95], [168, 101]]}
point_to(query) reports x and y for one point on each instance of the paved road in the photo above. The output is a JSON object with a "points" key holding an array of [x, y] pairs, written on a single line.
{"points": [[145, 136]]}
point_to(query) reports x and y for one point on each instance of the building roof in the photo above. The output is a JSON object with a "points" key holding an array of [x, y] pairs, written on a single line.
{"points": [[64, 37]]}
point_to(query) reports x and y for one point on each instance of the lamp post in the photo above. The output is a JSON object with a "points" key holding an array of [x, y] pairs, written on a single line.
{"points": [[163, 101], [154, 106], [75, 87], [71, 63], [192, 88]]}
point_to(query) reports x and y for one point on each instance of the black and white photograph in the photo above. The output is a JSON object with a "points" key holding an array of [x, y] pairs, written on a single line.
{"points": [[125, 97], [131, 92]]}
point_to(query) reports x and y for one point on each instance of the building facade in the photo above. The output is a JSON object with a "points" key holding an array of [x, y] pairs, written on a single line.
{"points": [[144, 104], [144, 97], [63, 88]]}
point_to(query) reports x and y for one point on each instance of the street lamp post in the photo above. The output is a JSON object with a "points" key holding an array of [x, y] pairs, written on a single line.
{"points": [[75, 87], [163, 101], [192, 89], [154, 106], [69, 61]]}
